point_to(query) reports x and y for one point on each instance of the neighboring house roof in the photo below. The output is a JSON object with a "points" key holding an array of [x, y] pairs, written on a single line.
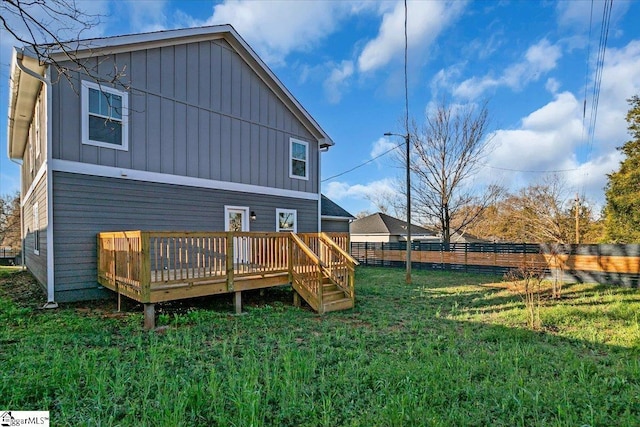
{"points": [[24, 88], [379, 223], [331, 210], [459, 237]]}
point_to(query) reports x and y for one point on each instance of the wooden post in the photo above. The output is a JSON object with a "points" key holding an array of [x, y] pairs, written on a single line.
{"points": [[145, 267], [238, 302], [229, 259], [296, 298], [149, 316]]}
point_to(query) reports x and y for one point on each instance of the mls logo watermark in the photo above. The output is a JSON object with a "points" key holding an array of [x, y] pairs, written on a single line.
{"points": [[24, 418]]}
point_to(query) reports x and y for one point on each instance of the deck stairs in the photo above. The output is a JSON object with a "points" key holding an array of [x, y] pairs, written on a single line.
{"points": [[322, 273]]}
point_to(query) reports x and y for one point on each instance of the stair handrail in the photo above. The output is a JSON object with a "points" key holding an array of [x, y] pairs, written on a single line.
{"points": [[328, 240], [307, 250]]}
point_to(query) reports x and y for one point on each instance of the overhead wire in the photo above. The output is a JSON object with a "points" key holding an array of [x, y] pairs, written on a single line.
{"points": [[602, 48], [364, 163]]}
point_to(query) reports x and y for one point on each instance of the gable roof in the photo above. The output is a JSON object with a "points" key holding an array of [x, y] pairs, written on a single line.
{"points": [[328, 208], [380, 223], [25, 87]]}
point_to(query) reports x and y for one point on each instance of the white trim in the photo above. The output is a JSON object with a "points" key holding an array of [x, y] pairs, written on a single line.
{"points": [[163, 178], [285, 211], [336, 218], [306, 159], [245, 216], [86, 85], [41, 172], [49, 154]]}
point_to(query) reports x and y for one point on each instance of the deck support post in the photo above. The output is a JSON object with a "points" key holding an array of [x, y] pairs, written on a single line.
{"points": [[296, 298], [238, 302], [149, 316]]}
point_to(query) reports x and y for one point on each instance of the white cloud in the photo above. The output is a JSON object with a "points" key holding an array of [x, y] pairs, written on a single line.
{"points": [[552, 85], [339, 191], [383, 145], [336, 83], [620, 81], [146, 16], [576, 15], [427, 20], [539, 59], [276, 28]]}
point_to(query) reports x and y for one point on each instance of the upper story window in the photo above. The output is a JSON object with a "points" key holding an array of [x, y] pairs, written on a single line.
{"points": [[298, 159], [36, 119], [286, 220], [104, 116]]}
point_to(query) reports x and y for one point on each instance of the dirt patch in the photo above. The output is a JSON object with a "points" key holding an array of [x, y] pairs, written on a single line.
{"points": [[21, 288], [25, 291]]}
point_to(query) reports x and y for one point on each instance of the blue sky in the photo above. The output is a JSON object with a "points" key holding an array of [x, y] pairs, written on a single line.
{"points": [[534, 62]]}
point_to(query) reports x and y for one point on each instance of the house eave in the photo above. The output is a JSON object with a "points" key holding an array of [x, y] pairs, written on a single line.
{"points": [[23, 93]]}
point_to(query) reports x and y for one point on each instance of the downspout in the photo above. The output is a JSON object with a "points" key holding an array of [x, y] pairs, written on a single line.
{"points": [[46, 81]]}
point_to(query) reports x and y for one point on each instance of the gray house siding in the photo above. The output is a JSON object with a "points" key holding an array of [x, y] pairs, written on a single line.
{"points": [[36, 263], [85, 205], [196, 110], [335, 226]]}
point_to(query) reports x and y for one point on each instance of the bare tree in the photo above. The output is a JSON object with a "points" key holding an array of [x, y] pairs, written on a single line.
{"points": [[447, 152], [10, 221], [53, 31]]}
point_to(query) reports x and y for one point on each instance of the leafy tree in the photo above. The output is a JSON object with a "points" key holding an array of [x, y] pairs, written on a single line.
{"points": [[622, 211]]}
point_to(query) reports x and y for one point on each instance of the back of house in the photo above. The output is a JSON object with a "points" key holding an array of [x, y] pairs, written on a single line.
{"points": [[181, 130]]}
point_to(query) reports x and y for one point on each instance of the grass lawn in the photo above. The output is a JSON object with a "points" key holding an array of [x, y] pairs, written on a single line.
{"points": [[449, 350]]}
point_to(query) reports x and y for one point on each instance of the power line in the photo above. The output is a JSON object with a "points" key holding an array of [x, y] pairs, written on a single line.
{"points": [[363, 163], [602, 48]]}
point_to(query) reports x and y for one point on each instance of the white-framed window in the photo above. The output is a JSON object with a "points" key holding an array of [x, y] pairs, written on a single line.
{"points": [[298, 159], [36, 229], [36, 119], [104, 116], [286, 220]]}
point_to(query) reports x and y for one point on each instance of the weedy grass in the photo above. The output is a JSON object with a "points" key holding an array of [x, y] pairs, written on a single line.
{"points": [[451, 349]]}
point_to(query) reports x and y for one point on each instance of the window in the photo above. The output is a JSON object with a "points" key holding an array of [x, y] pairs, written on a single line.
{"points": [[36, 230], [298, 153], [36, 119], [104, 116], [286, 220]]}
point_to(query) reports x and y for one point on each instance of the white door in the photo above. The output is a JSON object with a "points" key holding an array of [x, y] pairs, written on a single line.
{"points": [[237, 219]]}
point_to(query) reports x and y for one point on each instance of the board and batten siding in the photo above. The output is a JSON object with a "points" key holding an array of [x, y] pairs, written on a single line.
{"points": [[196, 110], [86, 205], [36, 263]]}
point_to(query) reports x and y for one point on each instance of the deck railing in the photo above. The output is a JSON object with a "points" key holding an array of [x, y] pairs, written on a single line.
{"points": [[153, 266], [337, 264]]}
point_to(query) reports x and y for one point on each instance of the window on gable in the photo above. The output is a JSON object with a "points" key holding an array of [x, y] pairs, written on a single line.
{"points": [[104, 116], [299, 155], [286, 220]]}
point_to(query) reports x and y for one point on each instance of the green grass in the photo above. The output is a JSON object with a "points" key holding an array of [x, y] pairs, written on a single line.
{"points": [[449, 350]]}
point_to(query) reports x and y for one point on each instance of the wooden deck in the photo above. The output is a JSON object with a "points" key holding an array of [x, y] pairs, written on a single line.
{"points": [[152, 267]]}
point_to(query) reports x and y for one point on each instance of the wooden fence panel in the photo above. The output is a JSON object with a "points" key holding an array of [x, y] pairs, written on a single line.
{"points": [[611, 264]]}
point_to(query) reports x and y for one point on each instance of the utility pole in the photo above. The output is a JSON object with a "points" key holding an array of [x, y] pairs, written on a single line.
{"points": [[577, 208]]}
